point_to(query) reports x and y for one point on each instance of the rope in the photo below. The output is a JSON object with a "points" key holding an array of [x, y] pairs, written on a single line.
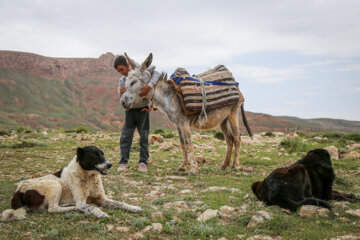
{"points": [[203, 115]]}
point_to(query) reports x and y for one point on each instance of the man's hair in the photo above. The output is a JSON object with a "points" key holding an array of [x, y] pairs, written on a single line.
{"points": [[120, 60]]}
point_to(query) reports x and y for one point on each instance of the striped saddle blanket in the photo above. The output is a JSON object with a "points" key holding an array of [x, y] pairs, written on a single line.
{"points": [[219, 87]]}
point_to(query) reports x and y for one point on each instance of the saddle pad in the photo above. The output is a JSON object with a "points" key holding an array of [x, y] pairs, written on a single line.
{"points": [[216, 95]]}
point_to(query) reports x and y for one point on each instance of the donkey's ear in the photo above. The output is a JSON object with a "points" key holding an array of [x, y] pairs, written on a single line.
{"points": [[132, 63], [146, 63]]}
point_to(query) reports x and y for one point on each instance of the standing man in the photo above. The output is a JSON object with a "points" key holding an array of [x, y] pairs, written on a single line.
{"points": [[135, 117]]}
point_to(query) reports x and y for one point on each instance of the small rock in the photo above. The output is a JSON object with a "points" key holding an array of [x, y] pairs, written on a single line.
{"points": [[312, 211], [342, 205], [346, 237], [147, 229], [138, 236], [208, 214], [157, 227], [255, 220], [353, 146], [110, 227], [308, 211], [227, 213], [354, 212], [179, 206], [333, 151], [157, 216], [323, 212], [185, 191], [264, 214], [155, 138], [199, 159], [344, 220], [351, 154], [266, 158], [122, 229]]}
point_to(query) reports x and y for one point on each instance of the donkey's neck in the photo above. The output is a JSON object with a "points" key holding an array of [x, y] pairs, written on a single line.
{"points": [[167, 101]]}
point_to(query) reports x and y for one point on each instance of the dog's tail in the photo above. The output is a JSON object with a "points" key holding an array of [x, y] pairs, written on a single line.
{"points": [[12, 214], [293, 206], [19, 208], [341, 196]]}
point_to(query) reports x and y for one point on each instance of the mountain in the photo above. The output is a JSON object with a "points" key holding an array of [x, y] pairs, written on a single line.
{"points": [[45, 92]]}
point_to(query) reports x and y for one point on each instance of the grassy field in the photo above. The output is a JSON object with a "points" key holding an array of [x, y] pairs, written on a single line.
{"points": [[158, 192]]}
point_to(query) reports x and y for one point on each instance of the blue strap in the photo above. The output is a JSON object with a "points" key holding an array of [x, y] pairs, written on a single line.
{"points": [[178, 79]]}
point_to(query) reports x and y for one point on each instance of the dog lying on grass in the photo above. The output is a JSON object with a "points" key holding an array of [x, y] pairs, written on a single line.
{"points": [[308, 181], [72, 188]]}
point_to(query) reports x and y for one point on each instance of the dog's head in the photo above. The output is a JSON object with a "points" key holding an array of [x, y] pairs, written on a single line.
{"points": [[91, 158], [257, 189]]}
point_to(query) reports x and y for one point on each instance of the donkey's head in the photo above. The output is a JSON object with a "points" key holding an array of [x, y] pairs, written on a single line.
{"points": [[137, 78]]}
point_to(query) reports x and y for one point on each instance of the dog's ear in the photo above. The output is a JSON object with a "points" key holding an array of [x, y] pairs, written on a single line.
{"points": [[79, 153], [256, 189]]}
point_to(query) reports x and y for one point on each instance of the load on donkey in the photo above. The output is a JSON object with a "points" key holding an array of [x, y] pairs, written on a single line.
{"points": [[217, 102]]}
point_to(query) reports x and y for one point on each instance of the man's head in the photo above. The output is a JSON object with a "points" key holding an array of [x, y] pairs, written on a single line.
{"points": [[121, 65]]}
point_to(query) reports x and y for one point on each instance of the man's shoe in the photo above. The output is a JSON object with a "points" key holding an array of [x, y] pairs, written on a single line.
{"points": [[142, 167], [122, 168]]}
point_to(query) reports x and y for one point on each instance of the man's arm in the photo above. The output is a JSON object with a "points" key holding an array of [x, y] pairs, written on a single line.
{"points": [[121, 86], [154, 79]]}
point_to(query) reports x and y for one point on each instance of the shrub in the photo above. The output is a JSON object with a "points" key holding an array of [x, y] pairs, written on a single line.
{"points": [[4, 133], [24, 144], [168, 135], [269, 134], [219, 135], [21, 129], [82, 129], [159, 131], [294, 145]]}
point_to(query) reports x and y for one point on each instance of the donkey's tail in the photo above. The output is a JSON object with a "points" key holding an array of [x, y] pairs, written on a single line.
{"points": [[245, 121]]}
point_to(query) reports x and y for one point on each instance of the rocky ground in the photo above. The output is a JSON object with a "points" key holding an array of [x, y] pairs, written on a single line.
{"points": [[215, 204]]}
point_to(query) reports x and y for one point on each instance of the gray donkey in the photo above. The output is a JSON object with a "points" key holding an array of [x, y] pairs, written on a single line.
{"points": [[163, 96]]}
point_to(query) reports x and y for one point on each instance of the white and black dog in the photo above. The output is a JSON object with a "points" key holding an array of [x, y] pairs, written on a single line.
{"points": [[72, 188]]}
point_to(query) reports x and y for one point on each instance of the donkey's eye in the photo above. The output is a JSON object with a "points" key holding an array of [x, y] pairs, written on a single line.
{"points": [[132, 83]]}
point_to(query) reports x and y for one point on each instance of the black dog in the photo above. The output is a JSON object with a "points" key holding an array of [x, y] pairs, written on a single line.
{"points": [[308, 181]]}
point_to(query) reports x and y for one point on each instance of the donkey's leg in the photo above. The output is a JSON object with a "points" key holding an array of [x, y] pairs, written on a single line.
{"points": [[185, 160], [235, 132], [190, 150], [225, 128]]}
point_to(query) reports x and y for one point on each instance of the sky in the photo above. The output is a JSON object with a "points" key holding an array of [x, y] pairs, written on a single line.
{"points": [[291, 57]]}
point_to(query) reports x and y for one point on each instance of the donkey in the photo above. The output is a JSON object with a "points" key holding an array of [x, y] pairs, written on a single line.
{"points": [[164, 97]]}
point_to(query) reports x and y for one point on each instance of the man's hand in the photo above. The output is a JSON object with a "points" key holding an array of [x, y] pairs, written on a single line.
{"points": [[122, 89], [144, 91]]}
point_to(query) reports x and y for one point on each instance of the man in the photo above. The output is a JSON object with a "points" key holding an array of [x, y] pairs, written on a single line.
{"points": [[136, 117]]}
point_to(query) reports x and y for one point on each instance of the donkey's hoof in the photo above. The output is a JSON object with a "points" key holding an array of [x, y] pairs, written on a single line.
{"points": [[181, 170], [223, 168], [235, 169], [192, 174]]}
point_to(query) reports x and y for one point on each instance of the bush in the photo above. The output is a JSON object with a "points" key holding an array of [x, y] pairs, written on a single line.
{"points": [[21, 129], [159, 131], [269, 134], [167, 135], [219, 135], [24, 144], [4, 133], [82, 129], [294, 145]]}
